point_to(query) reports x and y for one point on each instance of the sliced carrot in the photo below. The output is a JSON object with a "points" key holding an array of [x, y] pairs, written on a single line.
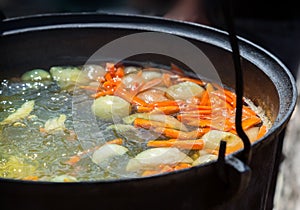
{"points": [[176, 69], [198, 123], [142, 109], [167, 80], [181, 144], [73, 160], [164, 103], [182, 166], [166, 169], [166, 109], [31, 178], [175, 134], [248, 111], [147, 124], [120, 72], [150, 172], [150, 84], [262, 131], [115, 141], [127, 96], [43, 130], [196, 110], [205, 99], [103, 93], [190, 116], [250, 122]]}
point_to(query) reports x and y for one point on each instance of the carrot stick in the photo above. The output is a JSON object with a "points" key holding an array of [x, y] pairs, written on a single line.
{"points": [[182, 166], [175, 134], [205, 99], [31, 178], [197, 123], [150, 172], [164, 103], [196, 111], [73, 160], [129, 97], [181, 144], [262, 131], [248, 111], [190, 117], [103, 93], [118, 141], [166, 110], [176, 69], [167, 80], [147, 124], [150, 84], [250, 122], [142, 109]]}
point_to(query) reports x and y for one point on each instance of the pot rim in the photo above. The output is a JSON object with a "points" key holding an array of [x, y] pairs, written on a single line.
{"points": [[198, 32]]}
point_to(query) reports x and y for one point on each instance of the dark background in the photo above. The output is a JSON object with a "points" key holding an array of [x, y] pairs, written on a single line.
{"points": [[274, 25]]}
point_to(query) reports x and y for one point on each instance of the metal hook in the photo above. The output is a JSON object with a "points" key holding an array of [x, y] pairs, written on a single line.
{"points": [[239, 79]]}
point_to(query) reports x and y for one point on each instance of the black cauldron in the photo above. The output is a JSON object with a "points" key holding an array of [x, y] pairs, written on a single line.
{"points": [[69, 39]]}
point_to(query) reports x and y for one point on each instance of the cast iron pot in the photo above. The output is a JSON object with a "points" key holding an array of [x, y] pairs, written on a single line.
{"points": [[69, 39]]}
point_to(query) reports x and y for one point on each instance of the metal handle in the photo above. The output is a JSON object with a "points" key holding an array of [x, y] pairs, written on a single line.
{"points": [[233, 172]]}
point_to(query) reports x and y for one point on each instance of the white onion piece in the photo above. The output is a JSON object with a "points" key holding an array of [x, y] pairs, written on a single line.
{"points": [[94, 72], [151, 158], [110, 108], [204, 159], [184, 91], [108, 151], [131, 69], [56, 124], [213, 138], [152, 95], [150, 75], [20, 113]]}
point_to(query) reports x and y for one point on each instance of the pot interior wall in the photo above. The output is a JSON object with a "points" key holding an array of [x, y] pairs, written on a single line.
{"points": [[43, 49]]}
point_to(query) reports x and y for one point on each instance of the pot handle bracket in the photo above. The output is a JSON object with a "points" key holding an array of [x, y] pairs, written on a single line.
{"points": [[233, 172]]}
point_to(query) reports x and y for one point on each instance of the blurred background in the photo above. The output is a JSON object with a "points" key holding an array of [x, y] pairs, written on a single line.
{"points": [[274, 25]]}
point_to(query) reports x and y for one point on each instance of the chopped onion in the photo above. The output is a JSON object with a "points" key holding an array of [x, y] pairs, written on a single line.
{"points": [[36, 75], [110, 108], [152, 158], [184, 91], [56, 124], [204, 159], [94, 72], [213, 138], [20, 114], [68, 77], [108, 151]]}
